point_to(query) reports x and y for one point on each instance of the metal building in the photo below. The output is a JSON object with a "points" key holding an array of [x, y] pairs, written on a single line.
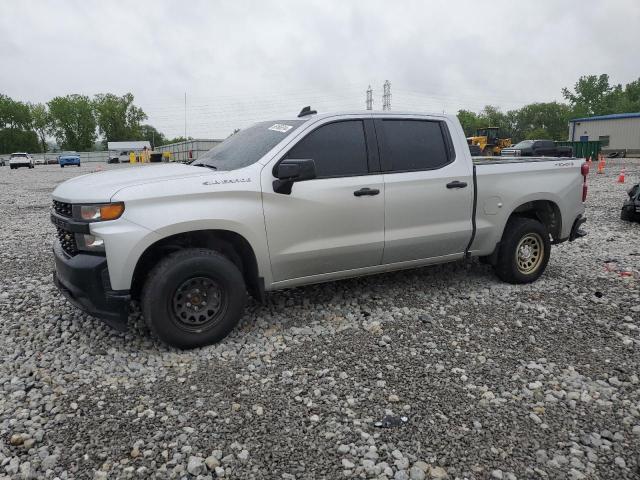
{"points": [[188, 150], [619, 132]]}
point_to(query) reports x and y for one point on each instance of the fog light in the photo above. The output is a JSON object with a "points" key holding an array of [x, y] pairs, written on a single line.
{"points": [[89, 242]]}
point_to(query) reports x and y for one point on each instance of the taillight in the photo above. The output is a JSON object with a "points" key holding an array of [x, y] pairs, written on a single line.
{"points": [[585, 171]]}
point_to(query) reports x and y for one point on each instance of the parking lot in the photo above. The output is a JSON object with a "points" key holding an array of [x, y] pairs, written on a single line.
{"points": [[439, 372]]}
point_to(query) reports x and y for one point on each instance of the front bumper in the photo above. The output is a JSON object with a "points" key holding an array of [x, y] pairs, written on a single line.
{"points": [[84, 280]]}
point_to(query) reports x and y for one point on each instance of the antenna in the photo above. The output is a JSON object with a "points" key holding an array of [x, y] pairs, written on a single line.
{"points": [[306, 111], [369, 98], [386, 95]]}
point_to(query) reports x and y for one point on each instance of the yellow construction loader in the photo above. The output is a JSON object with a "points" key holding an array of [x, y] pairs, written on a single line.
{"points": [[489, 141]]}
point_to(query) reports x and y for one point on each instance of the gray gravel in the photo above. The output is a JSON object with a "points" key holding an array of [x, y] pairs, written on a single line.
{"points": [[492, 380]]}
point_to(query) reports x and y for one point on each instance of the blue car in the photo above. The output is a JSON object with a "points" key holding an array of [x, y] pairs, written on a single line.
{"points": [[69, 160]]}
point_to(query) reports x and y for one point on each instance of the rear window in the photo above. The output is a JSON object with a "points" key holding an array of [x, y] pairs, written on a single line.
{"points": [[414, 145], [19, 155]]}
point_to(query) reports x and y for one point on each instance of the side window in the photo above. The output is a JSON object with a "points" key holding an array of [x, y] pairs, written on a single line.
{"points": [[338, 149], [414, 145]]}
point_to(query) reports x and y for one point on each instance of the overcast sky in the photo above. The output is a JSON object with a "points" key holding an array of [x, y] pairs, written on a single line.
{"points": [[241, 62]]}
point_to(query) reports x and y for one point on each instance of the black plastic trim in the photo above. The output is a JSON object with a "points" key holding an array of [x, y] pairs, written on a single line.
{"points": [[84, 280], [69, 224]]}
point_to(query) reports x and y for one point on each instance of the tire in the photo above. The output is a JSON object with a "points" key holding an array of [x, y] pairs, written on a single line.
{"points": [[487, 152], [61, 166], [524, 251], [626, 213], [179, 278]]}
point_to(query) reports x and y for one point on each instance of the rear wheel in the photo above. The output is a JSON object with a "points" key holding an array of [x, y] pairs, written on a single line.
{"points": [[193, 297], [524, 251], [487, 152]]}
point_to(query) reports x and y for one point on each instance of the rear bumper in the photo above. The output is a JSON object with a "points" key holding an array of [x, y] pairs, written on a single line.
{"points": [[84, 280]]}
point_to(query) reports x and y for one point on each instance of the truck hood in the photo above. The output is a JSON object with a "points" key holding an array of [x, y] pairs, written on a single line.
{"points": [[101, 186]]}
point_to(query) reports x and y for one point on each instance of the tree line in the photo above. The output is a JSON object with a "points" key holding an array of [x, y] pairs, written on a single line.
{"points": [[75, 121], [591, 95]]}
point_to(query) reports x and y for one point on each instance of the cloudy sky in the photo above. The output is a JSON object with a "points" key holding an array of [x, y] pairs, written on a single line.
{"points": [[244, 61]]}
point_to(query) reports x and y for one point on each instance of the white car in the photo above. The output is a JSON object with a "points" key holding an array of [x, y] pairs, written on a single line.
{"points": [[18, 160], [300, 201]]}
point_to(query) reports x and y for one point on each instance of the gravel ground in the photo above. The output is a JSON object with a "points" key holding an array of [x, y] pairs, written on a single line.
{"points": [[470, 377]]}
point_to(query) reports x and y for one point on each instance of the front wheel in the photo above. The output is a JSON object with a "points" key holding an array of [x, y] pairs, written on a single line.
{"points": [[193, 298], [524, 251]]}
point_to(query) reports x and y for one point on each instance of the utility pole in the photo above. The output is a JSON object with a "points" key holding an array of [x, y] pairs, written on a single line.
{"points": [[185, 115], [386, 95], [369, 98]]}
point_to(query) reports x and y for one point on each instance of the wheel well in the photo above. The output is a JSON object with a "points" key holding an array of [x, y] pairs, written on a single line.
{"points": [[230, 244], [545, 211]]}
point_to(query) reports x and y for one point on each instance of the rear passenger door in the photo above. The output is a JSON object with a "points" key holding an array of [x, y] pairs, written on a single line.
{"points": [[428, 191]]}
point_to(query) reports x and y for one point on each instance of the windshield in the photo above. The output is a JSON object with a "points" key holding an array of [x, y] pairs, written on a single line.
{"points": [[524, 144], [247, 146]]}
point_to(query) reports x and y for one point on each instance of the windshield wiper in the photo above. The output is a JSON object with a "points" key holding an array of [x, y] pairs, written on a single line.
{"points": [[212, 167]]}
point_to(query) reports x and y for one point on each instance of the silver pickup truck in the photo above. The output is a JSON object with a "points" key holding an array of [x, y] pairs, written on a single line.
{"points": [[297, 201]]}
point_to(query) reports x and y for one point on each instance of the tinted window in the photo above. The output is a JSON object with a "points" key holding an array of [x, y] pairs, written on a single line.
{"points": [[338, 149], [414, 145]]}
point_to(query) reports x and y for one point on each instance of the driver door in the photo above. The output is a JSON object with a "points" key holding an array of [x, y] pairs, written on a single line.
{"points": [[334, 222]]}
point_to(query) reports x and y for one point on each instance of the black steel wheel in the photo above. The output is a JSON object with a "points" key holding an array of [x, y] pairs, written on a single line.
{"points": [[193, 297], [198, 302]]}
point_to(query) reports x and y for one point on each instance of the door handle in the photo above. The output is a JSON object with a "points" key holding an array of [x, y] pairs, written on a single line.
{"points": [[366, 191], [456, 184]]}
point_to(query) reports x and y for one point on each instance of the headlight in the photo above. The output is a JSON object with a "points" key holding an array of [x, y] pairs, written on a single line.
{"points": [[89, 243], [100, 212]]}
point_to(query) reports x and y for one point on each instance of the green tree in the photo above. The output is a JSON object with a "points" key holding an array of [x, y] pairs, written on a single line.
{"points": [[549, 120], [469, 121], [41, 123], [73, 122], [117, 117], [152, 135], [592, 95], [16, 133]]}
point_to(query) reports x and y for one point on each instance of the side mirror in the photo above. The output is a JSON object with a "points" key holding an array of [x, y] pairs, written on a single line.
{"points": [[292, 170]]}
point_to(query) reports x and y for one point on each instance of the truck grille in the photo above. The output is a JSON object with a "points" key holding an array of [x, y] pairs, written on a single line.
{"points": [[67, 241], [62, 208]]}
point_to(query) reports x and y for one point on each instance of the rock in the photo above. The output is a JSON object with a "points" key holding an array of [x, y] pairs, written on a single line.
{"points": [[438, 472], [620, 462], [211, 462], [497, 474], [196, 466], [243, 456], [393, 398], [417, 473], [17, 439], [348, 464], [49, 462]]}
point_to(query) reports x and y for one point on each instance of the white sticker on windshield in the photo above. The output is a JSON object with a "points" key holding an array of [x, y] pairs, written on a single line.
{"points": [[279, 127]]}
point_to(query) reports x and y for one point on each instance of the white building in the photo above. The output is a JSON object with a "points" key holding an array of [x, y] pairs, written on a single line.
{"points": [[619, 132]]}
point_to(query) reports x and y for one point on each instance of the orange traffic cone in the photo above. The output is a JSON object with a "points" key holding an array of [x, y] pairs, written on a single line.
{"points": [[601, 166], [621, 176]]}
